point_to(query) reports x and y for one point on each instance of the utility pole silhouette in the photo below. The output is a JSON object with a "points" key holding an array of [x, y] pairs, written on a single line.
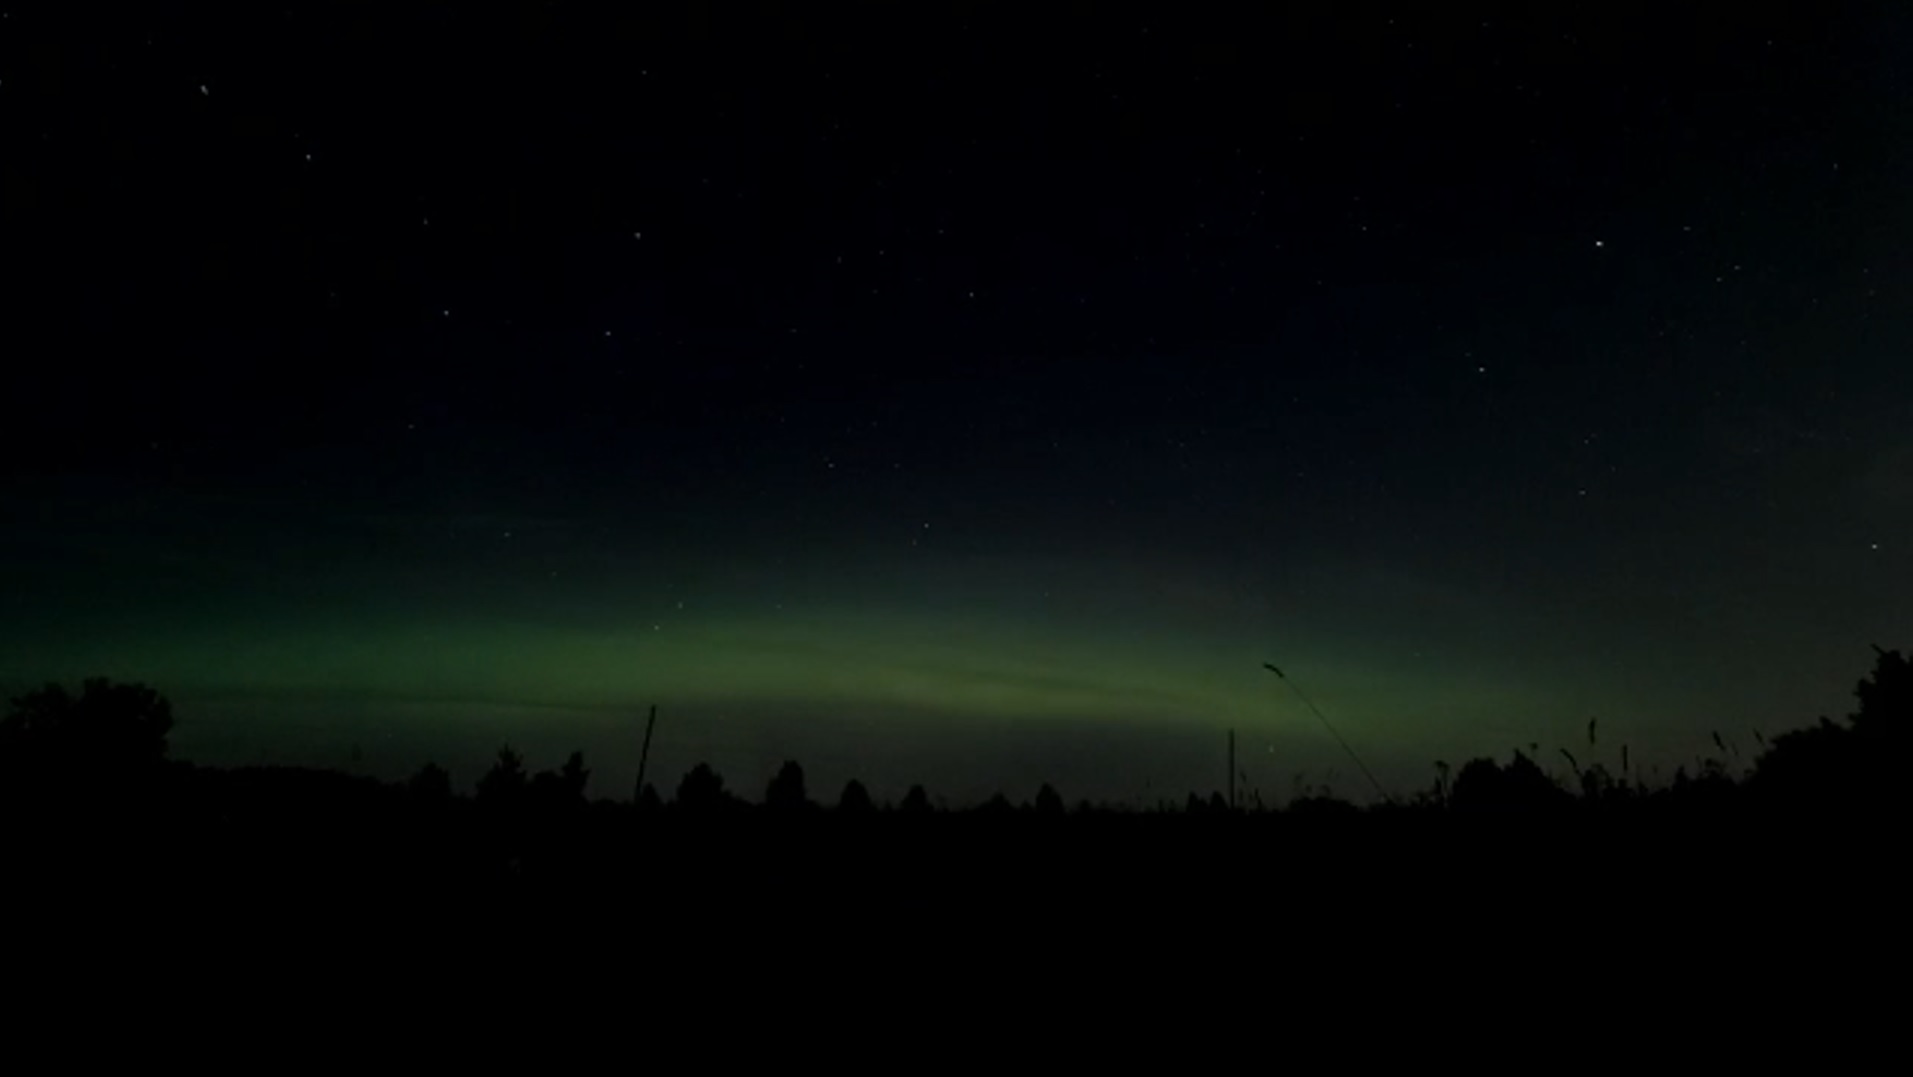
{"points": [[644, 754], [1231, 770], [1272, 668]]}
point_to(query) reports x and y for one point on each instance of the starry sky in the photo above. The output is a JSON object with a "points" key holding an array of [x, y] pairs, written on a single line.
{"points": [[959, 396]]}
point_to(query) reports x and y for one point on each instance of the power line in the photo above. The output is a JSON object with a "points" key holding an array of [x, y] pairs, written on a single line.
{"points": [[1317, 711]]}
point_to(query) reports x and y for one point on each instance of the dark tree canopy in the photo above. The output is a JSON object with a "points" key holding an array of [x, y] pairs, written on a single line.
{"points": [[575, 775], [1886, 697], [855, 799], [1048, 800], [432, 782], [1835, 764], [563, 788], [648, 798], [916, 801], [1521, 786], [786, 791], [109, 727], [701, 790], [505, 783]]}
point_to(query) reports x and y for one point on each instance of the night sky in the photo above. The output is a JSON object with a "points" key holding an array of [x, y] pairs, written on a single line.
{"points": [[953, 396]]}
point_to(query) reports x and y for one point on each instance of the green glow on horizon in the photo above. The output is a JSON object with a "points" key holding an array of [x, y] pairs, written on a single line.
{"points": [[823, 659], [928, 661]]}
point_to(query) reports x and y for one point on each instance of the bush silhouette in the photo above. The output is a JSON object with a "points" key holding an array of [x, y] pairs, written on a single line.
{"points": [[1886, 698], [786, 792], [1048, 801], [1851, 764], [432, 783], [855, 799], [1521, 786], [504, 785], [562, 788], [702, 790], [575, 776], [648, 799], [916, 801]]}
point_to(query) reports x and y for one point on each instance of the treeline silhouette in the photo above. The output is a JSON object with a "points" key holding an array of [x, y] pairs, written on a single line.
{"points": [[96, 807]]}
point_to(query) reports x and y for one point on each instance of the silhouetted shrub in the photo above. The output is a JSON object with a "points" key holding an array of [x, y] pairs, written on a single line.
{"points": [[504, 785], [648, 799], [575, 775], [786, 792], [855, 799], [1322, 807], [916, 801], [562, 789], [1048, 801], [998, 806], [1846, 765], [1521, 786], [702, 790], [432, 784], [1886, 698]]}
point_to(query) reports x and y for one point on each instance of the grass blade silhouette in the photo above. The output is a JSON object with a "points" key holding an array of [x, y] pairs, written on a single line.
{"points": [[1310, 704]]}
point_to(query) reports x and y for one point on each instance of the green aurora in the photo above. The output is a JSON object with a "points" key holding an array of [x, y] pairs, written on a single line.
{"points": [[927, 670]]}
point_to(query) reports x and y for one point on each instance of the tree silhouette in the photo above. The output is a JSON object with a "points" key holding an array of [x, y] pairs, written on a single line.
{"points": [[432, 784], [1599, 786], [1048, 801], [702, 790], [108, 730], [575, 775], [564, 788], [1850, 764], [1886, 698], [786, 792], [1521, 786], [1814, 762], [916, 801], [855, 799], [504, 785], [648, 798]]}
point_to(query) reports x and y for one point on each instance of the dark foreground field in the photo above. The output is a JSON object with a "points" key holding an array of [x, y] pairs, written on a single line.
{"points": [[1719, 901]]}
